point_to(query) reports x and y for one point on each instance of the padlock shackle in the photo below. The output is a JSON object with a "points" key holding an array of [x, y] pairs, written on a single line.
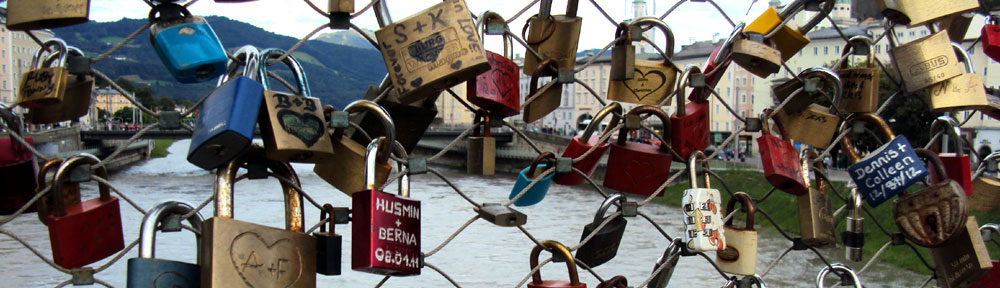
{"points": [[389, 128], [825, 74], [721, 57], [845, 142], [935, 161], [168, 11], [62, 174], [293, 64], [56, 55], [758, 280], [840, 267], [668, 50], [747, 203], [147, 232], [482, 24], [808, 157], [858, 40], [963, 57], [375, 148], [952, 129], [989, 228], [623, 29], [43, 207], [226, 181], [60, 49], [648, 110], [766, 128], [614, 109], [382, 13], [323, 214], [693, 172], [856, 203], [599, 217], [482, 119], [550, 245], [250, 57], [546, 158], [800, 5]]}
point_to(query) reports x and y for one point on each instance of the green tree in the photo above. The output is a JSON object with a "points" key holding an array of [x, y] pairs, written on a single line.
{"points": [[125, 115], [103, 115], [165, 103]]}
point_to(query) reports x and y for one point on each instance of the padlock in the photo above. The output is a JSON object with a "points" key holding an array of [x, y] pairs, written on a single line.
{"points": [[292, 124], [814, 208], [186, 44], [815, 125], [145, 270], [618, 281], [88, 231], [703, 81], [603, 246], [992, 278], [652, 81], [256, 255], [46, 14], [623, 54], [555, 247], [703, 227], [854, 233], [963, 92], [925, 61], [377, 214], [933, 215], [957, 25], [789, 40], [552, 37], [481, 148], [985, 186], [345, 170], [885, 171], [497, 90], [689, 125], [430, 51], [756, 55], [916, 13], [860, 85], [990, 36], [740, 254], [340, 14], [227, 119], [501, 215], [778, 157], [581, 144], [75, 99], [17, 163], [963, 260], [544, 100], [419, 115], [44, 85], [957, 163], [70, 191], [669, 259], [635, 167], [853, 277], [329, 244], [543, 162]]}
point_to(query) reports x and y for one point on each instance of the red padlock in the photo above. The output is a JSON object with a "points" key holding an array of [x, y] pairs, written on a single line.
{"points": [[991, 38], [16, 164], [555, 247], [386, 228], [498, 90], [639, 168], [689, 124], [955, 164], [86, 232], [780, 160], [715, 67], [579, 145]]}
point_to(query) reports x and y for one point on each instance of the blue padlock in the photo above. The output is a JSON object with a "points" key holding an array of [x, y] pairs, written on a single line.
{"points": [[886, 171], [145, 271], [186, 44], [228, 116], [537, 192]]}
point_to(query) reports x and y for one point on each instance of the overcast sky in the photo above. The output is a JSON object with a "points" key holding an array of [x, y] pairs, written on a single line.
{"points": [[693, 20]]}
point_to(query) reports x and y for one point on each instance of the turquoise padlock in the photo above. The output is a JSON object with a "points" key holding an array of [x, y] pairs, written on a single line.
{"points": [[186, 44], [537, 192]]}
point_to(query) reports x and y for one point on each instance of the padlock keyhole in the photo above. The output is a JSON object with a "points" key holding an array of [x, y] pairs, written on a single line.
{"points": [[931, 222]]}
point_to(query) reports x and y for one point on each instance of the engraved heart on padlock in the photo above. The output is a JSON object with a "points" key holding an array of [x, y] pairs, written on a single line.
{"points": [[171, 280], [428, 49], [264, 265], [636, 168], [305, 126], [504, 82], [648, 82]]}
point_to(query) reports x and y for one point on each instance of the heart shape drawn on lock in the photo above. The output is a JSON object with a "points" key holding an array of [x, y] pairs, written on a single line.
{"points": [[263, 265], [305, 126], [647, 83], [172, 279], [642, 170], [504, 82], [428, 49]]}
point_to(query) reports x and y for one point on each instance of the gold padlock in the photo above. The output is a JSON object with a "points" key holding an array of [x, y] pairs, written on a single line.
{"points": [[75, 100], [44, 85], [341, 6], [964, 92], [257, 255], [553, 37], [789, 39], [804, 93], [623, 54], [814, 208], [957, 25], [816, 125], [345, 169], [985, 186], [861, 85], [433, 50], [542, 101], [740, 254], [756, 54], [964, 259], [916, 13], [46, 14], [481, 148], [925, 61], [652, 81], [292, 124]]}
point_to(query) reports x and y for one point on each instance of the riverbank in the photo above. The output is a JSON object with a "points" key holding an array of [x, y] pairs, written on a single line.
{"points": [[160, 148]]}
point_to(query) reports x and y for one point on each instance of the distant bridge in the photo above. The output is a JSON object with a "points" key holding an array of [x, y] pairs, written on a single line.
{"points": [[95, 135]]}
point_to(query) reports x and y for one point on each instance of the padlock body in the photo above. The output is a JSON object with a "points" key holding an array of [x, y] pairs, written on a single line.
{"points": [[992, 278], [147, 272], [916, 13], [703, 226], [986, 194], [689, 132], [46, 14], [329, 248], [933, 215], [190, 50], [637, 168], [959, 170], [622, 61], [293, 128], [419, 116], [964, 92], [544, 104], [75, 103], [604, 245], [537, 192], [586, 165], [744, 242], [346, 169], [90, 231], [652, 82], [422, 58], [885, 172], [758, 58], [386, 234], [225, 123], [990, 36], [815, 126], [556, 284], [781, 167], [482, 153], [255, 255], [799, 101], [42, 87], [860, 89], [788, 40], [19, 178], [560, 44], [816, 218], [926, 61], [497, 90], [964, 260]]}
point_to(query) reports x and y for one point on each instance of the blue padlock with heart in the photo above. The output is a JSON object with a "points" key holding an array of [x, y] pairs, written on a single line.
{"points": [[885, 171], [145, 270], [186, 44], [531, 174]]}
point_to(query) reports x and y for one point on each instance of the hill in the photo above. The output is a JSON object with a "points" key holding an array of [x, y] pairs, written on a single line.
{"points": [[347, 38]]}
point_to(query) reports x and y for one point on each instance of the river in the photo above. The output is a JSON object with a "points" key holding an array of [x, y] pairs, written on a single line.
{"points": [[483, 255]]}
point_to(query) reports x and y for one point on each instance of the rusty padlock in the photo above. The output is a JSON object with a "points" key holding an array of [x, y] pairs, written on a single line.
{"points": [[932, 216]]}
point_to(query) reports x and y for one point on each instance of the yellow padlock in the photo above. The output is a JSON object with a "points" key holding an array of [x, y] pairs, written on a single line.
{"points": [[788, 39], [652, 81]]}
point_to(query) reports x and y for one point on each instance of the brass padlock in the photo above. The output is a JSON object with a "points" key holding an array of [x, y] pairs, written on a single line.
{"points": [[740, 254], [292, 124], [44, 85], [816, 125], [925, 61], [957, 25], [541, 101], [756, 54], [964, 92], [552, 37], [964, 259], [789, 39], [814, 208], [931, 216], [804, 93], [861, 85], [345, 170], [46, 14], [340, 13], [70, 193], [985, 186], [623, 54], [916, 13], [652, 81], [481, 148], [257, 255], [75, 99]]}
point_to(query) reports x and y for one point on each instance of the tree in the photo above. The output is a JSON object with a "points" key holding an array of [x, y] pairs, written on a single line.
{"points": [[165, 103], [103, 115], [144, 95], [125, 115]]}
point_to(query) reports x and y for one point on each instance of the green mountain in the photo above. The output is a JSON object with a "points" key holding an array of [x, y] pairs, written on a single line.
{"points": [[337, 74], [346, 38]]}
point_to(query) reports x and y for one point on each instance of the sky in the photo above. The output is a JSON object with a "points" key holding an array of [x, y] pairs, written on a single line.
{"points": [[691, 21]]}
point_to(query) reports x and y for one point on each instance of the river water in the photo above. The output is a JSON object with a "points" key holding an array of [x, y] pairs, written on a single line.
{"points": [[483, 255]]}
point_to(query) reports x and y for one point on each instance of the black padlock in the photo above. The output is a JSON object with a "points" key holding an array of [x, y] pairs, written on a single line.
{"points": [[329, 245], [669, 259], [500, 215], [604, 245]]}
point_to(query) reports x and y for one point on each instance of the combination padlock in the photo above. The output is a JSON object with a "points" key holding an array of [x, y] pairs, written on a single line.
{"points": [[703, 227]]}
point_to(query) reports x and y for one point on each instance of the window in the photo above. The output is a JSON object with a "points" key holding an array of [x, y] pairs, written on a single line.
{"points": [[923, 33], [815, 51], [727, 126], [716, 107], [729, 92], [878, 49], [826, 50], [744, 99], [836, 49], [913, 33], [899, 34], [717, 123]]}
